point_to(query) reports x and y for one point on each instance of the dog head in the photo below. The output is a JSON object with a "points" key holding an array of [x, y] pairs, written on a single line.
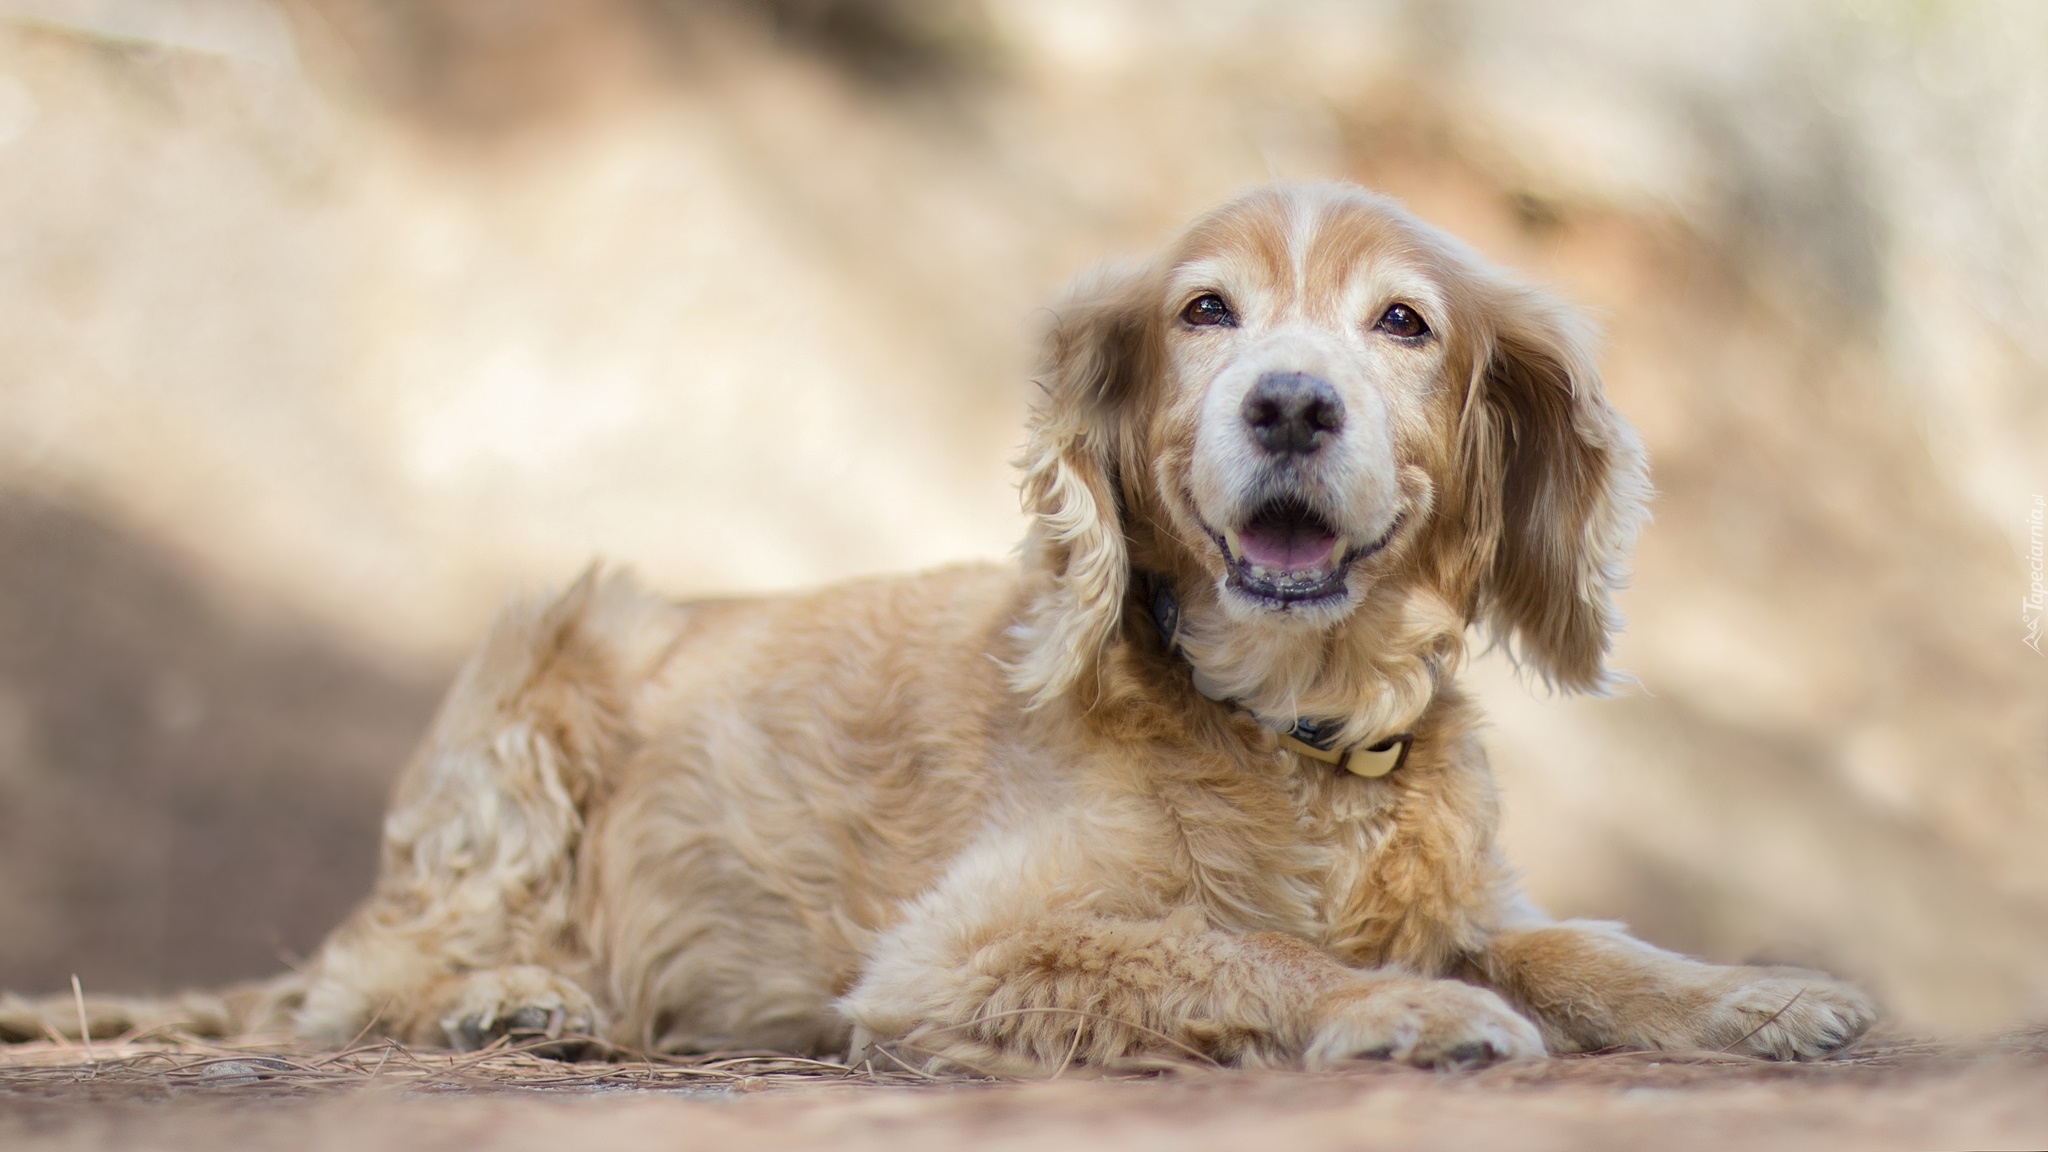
{"points": [[1336, 432]]}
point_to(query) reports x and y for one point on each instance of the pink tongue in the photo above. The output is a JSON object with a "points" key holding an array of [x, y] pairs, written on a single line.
{"points": [[1290, 550]]}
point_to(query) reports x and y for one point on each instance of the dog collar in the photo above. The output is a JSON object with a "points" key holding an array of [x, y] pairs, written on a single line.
{"points": [[1315, 740]]}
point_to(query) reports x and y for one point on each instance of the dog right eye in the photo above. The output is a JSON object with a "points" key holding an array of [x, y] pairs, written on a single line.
{"points": [[1208, 311]]}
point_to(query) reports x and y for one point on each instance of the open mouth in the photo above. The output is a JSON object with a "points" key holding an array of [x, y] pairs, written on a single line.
{"points": [[1287, 553]]}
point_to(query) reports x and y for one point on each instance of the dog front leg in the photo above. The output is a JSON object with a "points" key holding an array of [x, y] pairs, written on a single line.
{"points": [[1590, 985], [1059, 989]]}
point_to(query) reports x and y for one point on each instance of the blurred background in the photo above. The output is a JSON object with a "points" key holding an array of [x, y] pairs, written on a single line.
{"points": [[327, 324]]}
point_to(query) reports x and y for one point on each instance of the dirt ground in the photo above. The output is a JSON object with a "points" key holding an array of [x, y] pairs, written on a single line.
{"points": [[178, 1095]]}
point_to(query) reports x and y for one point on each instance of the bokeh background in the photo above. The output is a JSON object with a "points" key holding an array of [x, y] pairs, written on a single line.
{"points": [[327, 324]]}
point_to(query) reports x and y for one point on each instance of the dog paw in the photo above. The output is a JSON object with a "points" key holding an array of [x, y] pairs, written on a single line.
{"points": [[1788, 1014], [529, 1006], [1426, 1023]]}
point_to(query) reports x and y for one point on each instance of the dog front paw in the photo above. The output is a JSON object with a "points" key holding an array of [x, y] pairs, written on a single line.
{"points": [[527, 1005], [1787, 1014], [1426, 1023]]}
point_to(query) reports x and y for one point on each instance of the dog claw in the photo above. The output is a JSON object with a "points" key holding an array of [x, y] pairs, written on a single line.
{"points": [[528, 1007]]}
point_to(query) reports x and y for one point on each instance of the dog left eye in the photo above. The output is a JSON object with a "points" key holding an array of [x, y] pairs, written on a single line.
{"points": [[1209, 311], [1402, 322]]}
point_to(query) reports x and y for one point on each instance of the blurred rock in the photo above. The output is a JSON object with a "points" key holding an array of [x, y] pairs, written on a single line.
{"points": [[190, 786], [445, 298]]}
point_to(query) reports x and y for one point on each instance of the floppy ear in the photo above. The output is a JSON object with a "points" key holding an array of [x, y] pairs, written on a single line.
{"points": [[1096, 356], [1558, 487]]}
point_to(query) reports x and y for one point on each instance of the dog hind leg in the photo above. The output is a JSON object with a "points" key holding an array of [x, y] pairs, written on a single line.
{"points": [[468, 933]]}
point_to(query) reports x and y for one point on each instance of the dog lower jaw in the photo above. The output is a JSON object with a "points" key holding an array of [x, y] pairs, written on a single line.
{"points": [[1286, 594]]}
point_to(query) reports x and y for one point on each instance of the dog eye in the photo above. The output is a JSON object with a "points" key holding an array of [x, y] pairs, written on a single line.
{"points": [[1403, 322], [1207, 311]]}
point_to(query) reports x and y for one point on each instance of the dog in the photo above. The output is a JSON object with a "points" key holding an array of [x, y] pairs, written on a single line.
{"points": [[1192, 780]]}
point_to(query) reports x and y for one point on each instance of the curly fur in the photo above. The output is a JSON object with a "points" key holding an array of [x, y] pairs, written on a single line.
{"points": [[983, 818]]}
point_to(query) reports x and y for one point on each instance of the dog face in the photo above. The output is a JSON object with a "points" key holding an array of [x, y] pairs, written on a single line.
{"points": [[1314, 405], [1302, 368]]}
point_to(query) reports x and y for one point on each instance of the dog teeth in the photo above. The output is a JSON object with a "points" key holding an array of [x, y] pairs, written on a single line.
{"points": [[1337, 553], [1232, 542], [1281, 577]]}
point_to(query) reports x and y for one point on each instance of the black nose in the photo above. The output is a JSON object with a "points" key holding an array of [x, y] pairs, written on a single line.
{"points": [[1293, 413]]}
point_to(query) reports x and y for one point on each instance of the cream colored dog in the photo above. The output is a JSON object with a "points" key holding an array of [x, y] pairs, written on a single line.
{"points": [[1192, 780]]}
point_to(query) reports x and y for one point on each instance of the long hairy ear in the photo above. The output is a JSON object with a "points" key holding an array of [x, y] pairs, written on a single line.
{"points": [[1096, 356], [1559, 489]]}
